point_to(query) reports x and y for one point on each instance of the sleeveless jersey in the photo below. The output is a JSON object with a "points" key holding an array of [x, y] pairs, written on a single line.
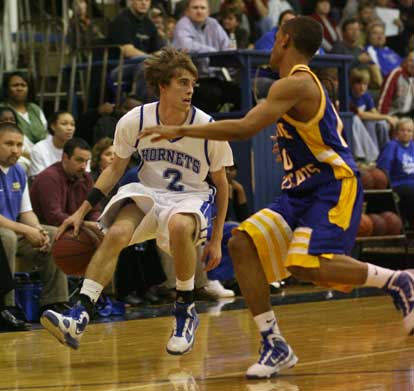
{"points": [[314, 152], [179, 165]]}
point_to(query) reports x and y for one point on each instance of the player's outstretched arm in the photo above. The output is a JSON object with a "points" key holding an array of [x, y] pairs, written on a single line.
{"points": [[105, 183], [283, 95]]}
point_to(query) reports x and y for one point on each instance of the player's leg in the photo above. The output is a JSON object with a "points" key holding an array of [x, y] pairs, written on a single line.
{"points": [[344, 270], [69, 328], [258, 248], [181, 228]]}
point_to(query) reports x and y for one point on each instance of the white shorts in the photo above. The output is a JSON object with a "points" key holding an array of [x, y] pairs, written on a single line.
{"points": [[158, 208]]}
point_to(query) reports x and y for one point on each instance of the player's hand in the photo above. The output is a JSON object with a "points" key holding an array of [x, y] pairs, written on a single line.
{"points": [[161, 132], [75, 221], [211, 255]]}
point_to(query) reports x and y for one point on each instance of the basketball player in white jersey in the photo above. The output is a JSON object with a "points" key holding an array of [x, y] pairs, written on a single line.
{"points": [[172, 201]]}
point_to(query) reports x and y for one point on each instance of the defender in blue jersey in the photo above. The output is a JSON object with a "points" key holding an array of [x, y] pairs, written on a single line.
{"points": [[310, 229]]}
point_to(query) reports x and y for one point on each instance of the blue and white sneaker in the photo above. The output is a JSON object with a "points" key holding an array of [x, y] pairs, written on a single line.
{"points": [[185, 325], [68, 327], [401, 288], [275, 355]]}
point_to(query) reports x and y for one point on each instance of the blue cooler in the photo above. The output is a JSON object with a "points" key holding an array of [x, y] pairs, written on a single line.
{"points": [[27, 294]]}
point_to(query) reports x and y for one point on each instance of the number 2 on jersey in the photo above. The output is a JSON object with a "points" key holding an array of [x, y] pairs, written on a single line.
{"points": [[175, 176]]}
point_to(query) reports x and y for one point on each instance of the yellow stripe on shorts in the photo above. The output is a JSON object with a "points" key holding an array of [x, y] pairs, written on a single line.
{"points": [[271, 235]]}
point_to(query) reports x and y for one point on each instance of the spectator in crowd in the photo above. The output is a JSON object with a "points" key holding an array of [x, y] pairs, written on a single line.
{"points": [[397, 160], [237, 209], [170, 24], [386, 58], [102, 156], [267, 40], [350, 45], [269, 13], [241, 6], [82, 31], [397, 92], [19, 95], [50, 150], [7, 115], [60, 189], [20, 231], [137, 36], [366, 15], [198, 32], [230, 20], [378, 125], [331, 33], [158, 18]]}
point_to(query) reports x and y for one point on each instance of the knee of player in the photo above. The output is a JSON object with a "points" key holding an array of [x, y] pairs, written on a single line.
{"points": [[181, 225], [118, 236], [304, 273], [238, 243]]}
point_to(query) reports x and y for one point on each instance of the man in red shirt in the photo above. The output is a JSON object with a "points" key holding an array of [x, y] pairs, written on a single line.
{"points": [[60, 189]]}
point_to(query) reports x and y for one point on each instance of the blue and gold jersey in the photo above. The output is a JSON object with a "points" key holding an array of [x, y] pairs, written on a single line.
{"points": [[313, 152]]}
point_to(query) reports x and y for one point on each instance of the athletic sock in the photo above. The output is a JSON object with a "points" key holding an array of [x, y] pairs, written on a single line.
{"points": [[267, 320], [377, 276]]}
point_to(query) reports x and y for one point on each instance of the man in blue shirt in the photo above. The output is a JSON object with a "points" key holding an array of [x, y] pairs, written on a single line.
{"points": [[20, 231]]}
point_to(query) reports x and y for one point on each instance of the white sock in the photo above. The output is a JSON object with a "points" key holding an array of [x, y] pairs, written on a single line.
{"points": [[92, 289], [187, 285], [266, 321], [377, 276]]}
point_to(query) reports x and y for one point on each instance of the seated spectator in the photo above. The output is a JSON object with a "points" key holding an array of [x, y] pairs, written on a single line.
{"points": [[60, 189], [397, 160], [267, 40], [269, 13], [170, 24], [19, 95], [237, 208], [351, 32], [158, 18], [366, 15], [242, 7], [20, 231], [397, 92], [102, 156], [378, 125], [386, 58], [81, 30], [197, 32], [137, 36], [331, 33], [7, 115], [50, 150], [230, 20]]}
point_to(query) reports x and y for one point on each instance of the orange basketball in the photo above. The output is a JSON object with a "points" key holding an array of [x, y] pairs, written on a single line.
{"points": [[394, 223], [379, 224], [366, 226], [380, 178], [73, 254], [367, 180]]}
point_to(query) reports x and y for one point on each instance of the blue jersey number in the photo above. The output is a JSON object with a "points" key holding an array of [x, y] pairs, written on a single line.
{"points": [[175, 176]]}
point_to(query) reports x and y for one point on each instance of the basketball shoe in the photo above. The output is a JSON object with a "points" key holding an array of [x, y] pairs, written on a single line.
{"points": [[185, 325], [275, 355], [401, 288], [68, 327]]}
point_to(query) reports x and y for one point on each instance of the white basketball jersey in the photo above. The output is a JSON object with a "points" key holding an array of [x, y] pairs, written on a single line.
{"points": [[178, 165]]}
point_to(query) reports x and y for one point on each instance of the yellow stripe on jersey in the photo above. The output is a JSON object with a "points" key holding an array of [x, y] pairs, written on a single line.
{"points": [[341, 214], [311, 134], [271, 236]]}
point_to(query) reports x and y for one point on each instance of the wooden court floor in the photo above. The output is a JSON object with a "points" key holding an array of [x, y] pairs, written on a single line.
{"points": [[352, 344]]}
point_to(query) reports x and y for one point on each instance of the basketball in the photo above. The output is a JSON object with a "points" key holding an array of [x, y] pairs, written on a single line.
{"points": [[380, 178], [394, 223], [379, 224], [367, 180], [366, 226], [73, 254]]}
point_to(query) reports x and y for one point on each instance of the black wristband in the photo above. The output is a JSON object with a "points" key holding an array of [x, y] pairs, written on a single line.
{"points": [[95, 196]]}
